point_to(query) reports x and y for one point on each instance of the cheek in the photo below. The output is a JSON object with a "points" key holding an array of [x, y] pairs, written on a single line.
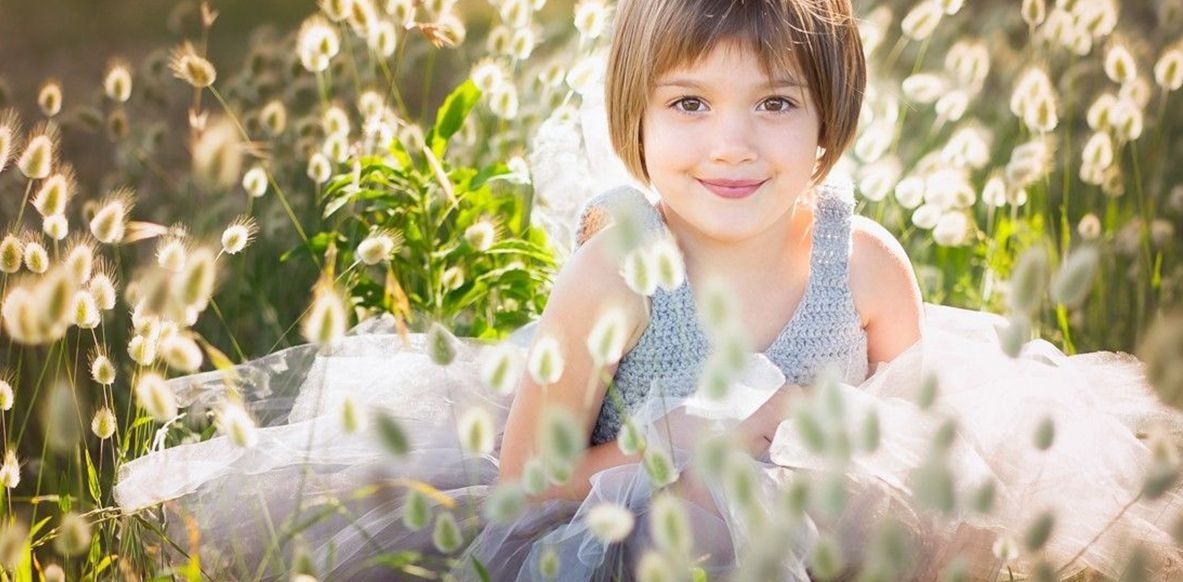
{"points": [[668, 146]]}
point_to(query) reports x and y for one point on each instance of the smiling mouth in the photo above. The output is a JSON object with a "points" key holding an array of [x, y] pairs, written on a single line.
{"points": [[732, 189]]}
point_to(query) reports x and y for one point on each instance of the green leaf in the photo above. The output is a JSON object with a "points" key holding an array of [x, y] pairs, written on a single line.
{"points": [[92, 481], [451, 115], [480, 569]]}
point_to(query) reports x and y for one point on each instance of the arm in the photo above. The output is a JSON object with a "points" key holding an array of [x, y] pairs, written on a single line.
{"points": [[885, 291], [888, 301], [589, 284]]}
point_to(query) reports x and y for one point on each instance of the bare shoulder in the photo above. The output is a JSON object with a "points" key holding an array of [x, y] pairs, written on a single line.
{"points": [[589, 284], [884, 287]]}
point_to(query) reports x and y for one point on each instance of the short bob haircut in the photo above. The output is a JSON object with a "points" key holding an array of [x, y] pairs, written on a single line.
{"points": [[817, 39]]}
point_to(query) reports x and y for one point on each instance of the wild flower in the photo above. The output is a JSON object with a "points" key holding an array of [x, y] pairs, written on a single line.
{"points": [[55, 192], [382, 38], [171, 254], [922, 20], [181, 353], [55, 226], [378, 247], [669, 524]]}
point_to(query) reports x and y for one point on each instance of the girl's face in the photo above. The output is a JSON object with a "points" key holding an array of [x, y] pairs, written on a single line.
{"points": [[728, 149]]}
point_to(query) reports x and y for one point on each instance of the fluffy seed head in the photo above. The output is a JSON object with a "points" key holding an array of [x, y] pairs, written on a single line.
{"points": [[669, 525], [102, 370], [154, 396], [377, 248], [327, 317], [195, 286], [1029, 280], [237, 425], [441, 345], [610, 522], [36, 161], [10, 471], [10, 127], [254, 181], [1120, 66], [36, 259], [6, 395], [1162, 350], [103, 423], [109, 223], [239, 234], [1034, 12], [117, 82], [1074, 280], [12, 254], [274, 117], [192, 68], [317, 43], [320, 169], [49, 99], [608, 336], [55, 226], [591, 18], [171, 254], [1089, 227], [546, 361], [181, 353], [103, 289], [481, 235], [383, 38], [84, 311], [55, 192], [922, 20], [476, 431], [1168, 71], [503, 101], [501, 368], [73, 535], [446, 536]]}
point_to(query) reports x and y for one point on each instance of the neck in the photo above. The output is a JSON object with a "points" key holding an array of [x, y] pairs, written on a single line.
{"points": [[772, 251]]}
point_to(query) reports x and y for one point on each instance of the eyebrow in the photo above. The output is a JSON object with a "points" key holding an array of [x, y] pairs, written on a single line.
{"points": [[692, 84]]}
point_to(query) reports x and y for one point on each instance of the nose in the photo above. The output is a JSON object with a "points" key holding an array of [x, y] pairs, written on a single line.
{"points": [[732, 139]]}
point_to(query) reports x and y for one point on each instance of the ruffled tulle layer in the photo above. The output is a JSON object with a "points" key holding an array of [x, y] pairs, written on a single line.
{"points": [[744, 515]]}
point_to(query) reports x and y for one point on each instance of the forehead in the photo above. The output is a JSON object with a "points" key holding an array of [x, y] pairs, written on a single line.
{"points": [[730, 62]]}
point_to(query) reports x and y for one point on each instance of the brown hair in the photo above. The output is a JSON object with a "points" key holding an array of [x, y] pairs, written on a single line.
{"points": [[816, 38]]}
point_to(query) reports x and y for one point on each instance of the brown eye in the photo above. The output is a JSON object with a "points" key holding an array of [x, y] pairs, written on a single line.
{"points": [[778, 104], [689, 104]]}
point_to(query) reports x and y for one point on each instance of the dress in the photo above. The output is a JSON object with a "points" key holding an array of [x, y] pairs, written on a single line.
{"points": [[744, 518]]}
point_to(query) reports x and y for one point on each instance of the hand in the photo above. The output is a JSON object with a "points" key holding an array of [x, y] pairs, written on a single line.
{"points": [[757, 431]]}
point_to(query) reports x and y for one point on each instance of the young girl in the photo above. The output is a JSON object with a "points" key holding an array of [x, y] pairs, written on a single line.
{"points": [[708, 314]]}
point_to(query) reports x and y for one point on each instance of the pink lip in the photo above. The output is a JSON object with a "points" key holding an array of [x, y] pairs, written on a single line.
{"points": [[732, 189]]}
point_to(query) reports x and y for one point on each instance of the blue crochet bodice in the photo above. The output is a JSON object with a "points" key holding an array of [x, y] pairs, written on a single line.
{"points": [[824, 330]]}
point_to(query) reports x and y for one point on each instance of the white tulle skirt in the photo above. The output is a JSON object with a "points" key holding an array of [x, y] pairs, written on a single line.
{"points": [[310, 493]]}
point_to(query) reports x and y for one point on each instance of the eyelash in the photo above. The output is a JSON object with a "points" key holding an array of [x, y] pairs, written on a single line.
{"points": [[789, 105]]}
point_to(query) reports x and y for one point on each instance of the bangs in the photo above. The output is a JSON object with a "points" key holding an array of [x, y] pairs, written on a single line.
{"points": [[766, 27]]}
